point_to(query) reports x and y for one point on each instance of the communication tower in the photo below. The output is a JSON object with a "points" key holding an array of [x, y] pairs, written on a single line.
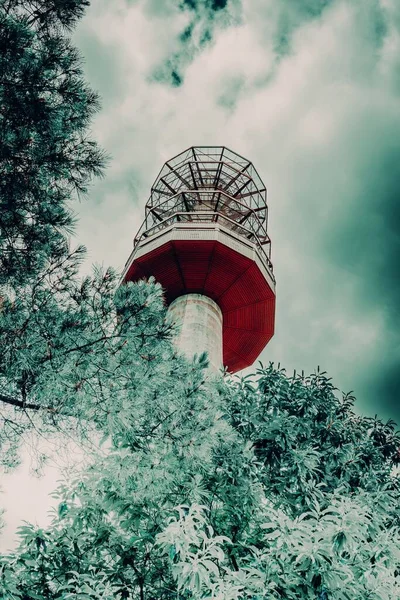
{"points": [[204, 238]]}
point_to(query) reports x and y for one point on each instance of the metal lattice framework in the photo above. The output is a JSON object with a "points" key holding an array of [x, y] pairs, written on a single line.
{"points": [[208, 184]]}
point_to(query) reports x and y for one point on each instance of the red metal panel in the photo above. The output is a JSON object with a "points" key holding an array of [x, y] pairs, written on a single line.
{"points": [[232, 360], [166, 273], [194, 259], [161, 263], [233, 280], [227, 266], [250, 288], [254, 317]]}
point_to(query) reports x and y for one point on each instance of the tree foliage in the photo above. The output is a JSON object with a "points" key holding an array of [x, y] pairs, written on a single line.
{"points": [[45, 151], [46, 158], [271, 488]]}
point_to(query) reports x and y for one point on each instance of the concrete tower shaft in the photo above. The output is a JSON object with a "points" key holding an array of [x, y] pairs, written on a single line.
{"points": [[205, 233], [200, 327]]}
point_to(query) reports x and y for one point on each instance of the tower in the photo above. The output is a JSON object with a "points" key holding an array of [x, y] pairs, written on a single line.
{"points": [[204, 238]]}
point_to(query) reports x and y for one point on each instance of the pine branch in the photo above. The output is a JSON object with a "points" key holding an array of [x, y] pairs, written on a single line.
{"points": [[23, 405]]}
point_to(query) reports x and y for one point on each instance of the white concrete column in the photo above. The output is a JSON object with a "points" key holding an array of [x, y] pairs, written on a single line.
{"points": [[199, 321]]}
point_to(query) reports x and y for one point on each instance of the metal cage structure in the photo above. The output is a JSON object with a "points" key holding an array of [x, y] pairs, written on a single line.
{"points": [[210, 185]]}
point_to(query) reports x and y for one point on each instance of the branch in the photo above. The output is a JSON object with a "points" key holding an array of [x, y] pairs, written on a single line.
{"points": [[37, 15], [31, 406], [23, 405]]}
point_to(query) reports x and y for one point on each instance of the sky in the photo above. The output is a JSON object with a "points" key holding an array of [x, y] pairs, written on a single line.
{"points": [[309, 91]]}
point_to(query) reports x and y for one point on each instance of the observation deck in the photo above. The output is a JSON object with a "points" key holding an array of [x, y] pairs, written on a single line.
{"points": [[205, 232]]}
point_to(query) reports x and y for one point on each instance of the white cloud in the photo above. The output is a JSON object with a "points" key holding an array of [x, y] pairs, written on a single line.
{"points": [[306, 119]]}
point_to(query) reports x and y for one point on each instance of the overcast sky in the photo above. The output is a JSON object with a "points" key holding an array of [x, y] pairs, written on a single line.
{"points": [[308, 90]]}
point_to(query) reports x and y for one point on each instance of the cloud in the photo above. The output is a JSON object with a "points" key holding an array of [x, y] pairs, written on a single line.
{"points": [[310, 93]]}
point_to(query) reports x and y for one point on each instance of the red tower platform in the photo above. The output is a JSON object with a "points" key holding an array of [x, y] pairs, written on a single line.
{"points": [[205, 232]]}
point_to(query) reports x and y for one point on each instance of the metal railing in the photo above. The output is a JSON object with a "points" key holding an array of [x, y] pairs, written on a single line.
{"points": [[210, 217]]}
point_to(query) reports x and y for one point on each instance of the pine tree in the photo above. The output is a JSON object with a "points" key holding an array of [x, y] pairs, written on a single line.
{"points": [[45, 151], [46, 158]]}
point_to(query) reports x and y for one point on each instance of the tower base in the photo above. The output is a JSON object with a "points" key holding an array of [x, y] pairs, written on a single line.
{"points": [[199, 321]]}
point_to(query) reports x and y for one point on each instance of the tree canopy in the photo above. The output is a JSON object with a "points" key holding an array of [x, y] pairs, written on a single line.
{"points": [[47, 158], [271, 488], [45, 150]]}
